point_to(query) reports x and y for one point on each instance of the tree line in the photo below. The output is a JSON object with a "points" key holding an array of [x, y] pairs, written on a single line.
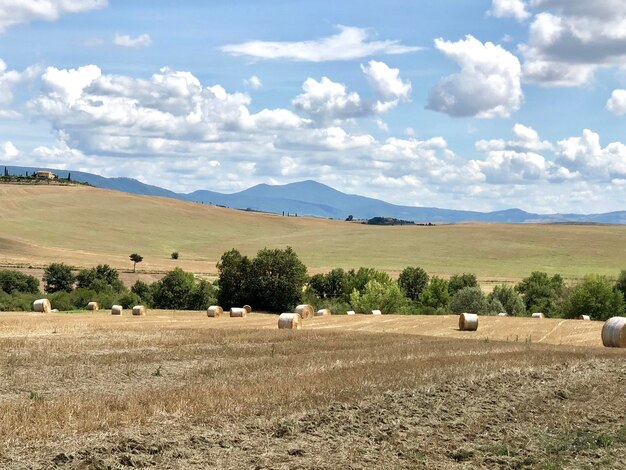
{"points": [[275, 280]]}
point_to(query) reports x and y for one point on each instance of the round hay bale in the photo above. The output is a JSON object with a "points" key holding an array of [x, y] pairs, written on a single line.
{"points": [[503, 314], [289, 321], [54, 310], [305, 311], [614, 332], [350, 312], [238, 313], [323, 313], [93, 306], [214, 311], [538, 315], [247, 308], [116, 310], [468, 322], [376, 312], [139, 310], [42, 306], [584, 317]]}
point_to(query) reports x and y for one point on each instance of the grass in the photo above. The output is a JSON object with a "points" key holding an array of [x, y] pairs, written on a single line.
{"points": [[181, 389], [86, 226]]}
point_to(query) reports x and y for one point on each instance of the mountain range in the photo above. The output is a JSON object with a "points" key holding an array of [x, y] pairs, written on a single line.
{"points": [[311, 198]]}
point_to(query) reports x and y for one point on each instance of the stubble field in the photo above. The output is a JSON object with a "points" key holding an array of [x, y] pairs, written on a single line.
{"points": [[180, 390]]}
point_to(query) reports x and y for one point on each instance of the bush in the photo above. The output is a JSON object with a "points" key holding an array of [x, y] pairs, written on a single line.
{"points": [[15, 281], [58, 277], [204, 294], [174, 255], [359, 279], [62, 301], [144, 292], [129, 300], [17, 302], [386, 297], [596, 297], [620, 285], [461, 281], [234, 272], [80, 297], [101, 278], [541, 293], [436, 295], [174, 290], [510, 300], [470, 300], [413, 281]]}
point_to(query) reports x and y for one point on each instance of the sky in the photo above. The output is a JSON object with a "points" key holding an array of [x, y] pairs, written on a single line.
{"points": [[481, 105]]}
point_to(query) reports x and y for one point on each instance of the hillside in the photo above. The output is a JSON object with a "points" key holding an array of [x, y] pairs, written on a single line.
{"points": [[85, 226], [315, 199]]}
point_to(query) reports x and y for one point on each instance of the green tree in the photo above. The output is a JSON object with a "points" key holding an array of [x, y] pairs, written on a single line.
{"points": [[58, 277], [174, 255], [135, 258], [540, 292], [460, 281], [511, 301], [387, 297], [596, 297], [129, 300], [358, 279], [234, 274], [413, 281], [100, 279], [15, 281], [277, 278], [470, 300], [436, 295], [174, 290], [620, 285], [203, 295], [332, 285], [144, 292]]}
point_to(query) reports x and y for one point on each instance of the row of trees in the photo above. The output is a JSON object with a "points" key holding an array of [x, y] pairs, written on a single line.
{"points": [[276, 280]]}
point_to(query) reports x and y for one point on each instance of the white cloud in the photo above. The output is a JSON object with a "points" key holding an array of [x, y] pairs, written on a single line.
{"points": [[586, 155], [253, 82], [8, 151], [14, 12], [617, 103], [124, 40], [386, 81], [488, 85], [349, 43], [509, 9]]}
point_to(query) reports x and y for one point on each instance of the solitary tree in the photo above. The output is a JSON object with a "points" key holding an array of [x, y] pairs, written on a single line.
{"points": [[135, 258]]}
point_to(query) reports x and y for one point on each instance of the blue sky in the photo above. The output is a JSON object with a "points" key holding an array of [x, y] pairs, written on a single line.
{"points": [[473, 105]]}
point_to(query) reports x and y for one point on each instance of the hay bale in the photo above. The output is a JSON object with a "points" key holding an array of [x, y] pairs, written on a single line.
{"points": [[54, 310], [214, 311], [468, 322], [305, 311], [350, 312], [323, 313], [538, 315], [376, 312], [289, 321], [238, 313], [139, 310], [42, 306], [116, 310], [614, 332], [247, 308], [93, 306], [584, 317], [503, 314]]}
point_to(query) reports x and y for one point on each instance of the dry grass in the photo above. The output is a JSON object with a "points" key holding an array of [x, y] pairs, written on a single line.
{"points": [[494, 252], [76, 389]]}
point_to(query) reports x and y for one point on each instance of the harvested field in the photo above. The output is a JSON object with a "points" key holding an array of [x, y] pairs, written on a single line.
{"points": [[180, 390]]}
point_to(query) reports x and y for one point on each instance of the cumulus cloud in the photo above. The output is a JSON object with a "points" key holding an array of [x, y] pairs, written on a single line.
{"points": [[488, 85], [349, 43], [14, 12], [509, 9], [124, 40], [386, 81], [569, 39], [253, 82], [8, 151], [617, 103], [586, 155]]}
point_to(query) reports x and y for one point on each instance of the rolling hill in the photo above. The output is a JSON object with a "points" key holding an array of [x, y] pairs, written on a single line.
{"points": [[318, 200]]}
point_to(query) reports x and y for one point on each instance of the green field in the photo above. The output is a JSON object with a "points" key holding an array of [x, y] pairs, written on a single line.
{"points": [[86, 226]]}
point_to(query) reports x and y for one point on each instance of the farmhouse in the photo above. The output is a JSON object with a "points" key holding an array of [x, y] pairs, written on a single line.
{"points": [[44, 174]]}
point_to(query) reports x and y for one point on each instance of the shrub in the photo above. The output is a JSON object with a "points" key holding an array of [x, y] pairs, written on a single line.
{"points": [[460, 281], [80, 297], [413, 281], [62, 301], [469, 299], [203, 295], [436, 295], [358, 279], [144, 292], [58, 277], [174, 255], [17, 302], [596, 297], [541, 293], [493, 307], [620, 285], [129, 300], [510, 300], [101, 278], [234, 272], [386, 297], [15, 281]]}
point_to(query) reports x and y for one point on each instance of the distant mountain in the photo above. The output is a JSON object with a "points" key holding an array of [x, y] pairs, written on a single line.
{"points": [[311, 198]]}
